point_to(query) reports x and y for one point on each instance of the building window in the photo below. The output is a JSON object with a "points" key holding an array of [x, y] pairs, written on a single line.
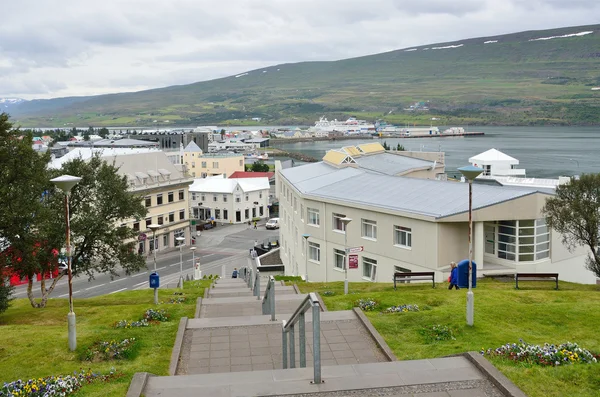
{"points": [[215, 164], [193, 164], [247, 213], [148, 222], [339, 257], [238, 199], [214, 197], [165, 240], [295, 204], [170, 198], [193, 196], [260, 195], [171, 217], [369, 229], [160, 220], [338, 225], [518, 241], [203, 197], [314, 252], [312, 216], [302, 212], [181, 194], [217, 214], [181, 215], [224, 198], [159, 199], [369, 268], [178, 233], [247, 198], [402, 236], [148, 200], [136, 226], [204, 166], [225, 214], [261, 211]]}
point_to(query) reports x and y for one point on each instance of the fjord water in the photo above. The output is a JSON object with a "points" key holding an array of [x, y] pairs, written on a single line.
{"points": [[545, 152]]}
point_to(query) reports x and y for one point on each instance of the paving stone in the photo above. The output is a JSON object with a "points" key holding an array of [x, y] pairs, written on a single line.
{"points": [[219, 353], [217, 362], [343, 354], [339, 346], [241, 368], [265, 359], [213, 370], [219, 339], [240, 353], [241, 360]]}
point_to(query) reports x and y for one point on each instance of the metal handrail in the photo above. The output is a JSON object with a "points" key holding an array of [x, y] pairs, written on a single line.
{"points": [[268, 303], [256, 289], [288, 327], [249, 280]]}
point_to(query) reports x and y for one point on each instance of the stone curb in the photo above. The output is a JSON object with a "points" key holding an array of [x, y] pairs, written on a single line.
{"points": [[323, 307], [138, 383], [178, 345], [206, 292], [296, 289], [385, 349], [499, 380], [198, 306]]}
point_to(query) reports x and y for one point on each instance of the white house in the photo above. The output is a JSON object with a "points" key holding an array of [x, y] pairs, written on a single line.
{"points": [[404, 222], [230, 200], [495, 163]]}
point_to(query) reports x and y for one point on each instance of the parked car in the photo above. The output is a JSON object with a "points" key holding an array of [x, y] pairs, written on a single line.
{"points": [[272, 223], [62, 264]]}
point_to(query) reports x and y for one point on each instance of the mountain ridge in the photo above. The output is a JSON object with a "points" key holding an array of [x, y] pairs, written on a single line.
{"points": [[517, 78]]}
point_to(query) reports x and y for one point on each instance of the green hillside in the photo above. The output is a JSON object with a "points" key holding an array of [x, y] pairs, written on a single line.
{"points": [[511, 81]]}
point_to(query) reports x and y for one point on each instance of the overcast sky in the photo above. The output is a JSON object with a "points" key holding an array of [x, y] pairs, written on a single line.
{"points": [[55, 48]]}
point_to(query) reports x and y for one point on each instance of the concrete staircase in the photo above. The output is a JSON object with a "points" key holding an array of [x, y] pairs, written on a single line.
{"points": [[232, 349]]}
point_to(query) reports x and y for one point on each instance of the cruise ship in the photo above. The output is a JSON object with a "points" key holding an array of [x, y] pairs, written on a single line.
{"points": [[350, 126]]}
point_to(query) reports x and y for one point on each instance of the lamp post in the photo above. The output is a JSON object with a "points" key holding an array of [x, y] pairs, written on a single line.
{"points": [[181, 240], [193, 249], [66, 183], [470, 172], [345, 221], [154, 227], [305, 237]]}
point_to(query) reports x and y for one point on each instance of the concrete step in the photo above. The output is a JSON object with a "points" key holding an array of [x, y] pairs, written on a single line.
{"points": [[247, 305], [233, 292], [336, 378], [245, 321]]}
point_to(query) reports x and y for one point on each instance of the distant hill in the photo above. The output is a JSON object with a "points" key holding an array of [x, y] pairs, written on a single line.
{"points": [[533, 77]]}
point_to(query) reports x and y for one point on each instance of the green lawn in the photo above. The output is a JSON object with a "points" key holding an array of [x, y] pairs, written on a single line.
{"points": [[535, 313], [34, 341]]}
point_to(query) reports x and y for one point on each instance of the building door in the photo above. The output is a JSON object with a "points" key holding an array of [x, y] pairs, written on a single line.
{"points": [[253, 212], [141, 247], [238, 216]]}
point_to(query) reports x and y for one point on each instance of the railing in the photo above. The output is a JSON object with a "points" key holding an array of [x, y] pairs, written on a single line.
{"points": [[243, 273], [268, 303], [288, 327], [256, 289]]}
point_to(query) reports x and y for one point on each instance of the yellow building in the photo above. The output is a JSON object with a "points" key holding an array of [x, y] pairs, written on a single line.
{"points": [[200, 165]]}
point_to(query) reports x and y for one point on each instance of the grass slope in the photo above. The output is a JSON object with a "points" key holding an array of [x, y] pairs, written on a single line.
{"points": [[535, 313], [34, 341], [513, 81]]}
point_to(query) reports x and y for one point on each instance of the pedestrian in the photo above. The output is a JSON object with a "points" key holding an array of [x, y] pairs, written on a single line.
{"points": [[235, 273], [255, 224], [453, 279]]}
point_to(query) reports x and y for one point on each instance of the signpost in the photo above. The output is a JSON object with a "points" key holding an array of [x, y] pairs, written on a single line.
{"points": [[352, 261], [354, 250]]}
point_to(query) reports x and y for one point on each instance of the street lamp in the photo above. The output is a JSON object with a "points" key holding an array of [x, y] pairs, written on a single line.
{"points": [[66, 183], [345, 221], [305, 237], [470, 172], [193, 249], [181, 240], [154, 227]]}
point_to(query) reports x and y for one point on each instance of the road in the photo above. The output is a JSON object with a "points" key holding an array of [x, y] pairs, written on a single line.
{"points": [[226, 246]]}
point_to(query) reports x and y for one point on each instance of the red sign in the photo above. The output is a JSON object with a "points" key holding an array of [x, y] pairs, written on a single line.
{"points": [[352, 261], [142, 237]]}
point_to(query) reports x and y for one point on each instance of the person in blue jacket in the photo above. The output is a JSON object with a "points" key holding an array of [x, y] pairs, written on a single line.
{"points": [[453, 276], [235, 273]]}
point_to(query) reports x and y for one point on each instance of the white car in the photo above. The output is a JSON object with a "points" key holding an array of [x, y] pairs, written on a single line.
{"points": [[272, 223], [62, 265]]}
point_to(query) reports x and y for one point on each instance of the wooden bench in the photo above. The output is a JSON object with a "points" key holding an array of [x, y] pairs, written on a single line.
{"points": [[536, 277], [414, 276]]}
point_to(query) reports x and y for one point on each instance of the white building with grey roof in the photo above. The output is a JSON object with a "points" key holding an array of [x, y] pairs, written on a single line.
{"points": [[406, 219]]}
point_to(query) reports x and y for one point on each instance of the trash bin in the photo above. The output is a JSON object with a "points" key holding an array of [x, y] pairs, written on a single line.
{"points": [[463, 274]]}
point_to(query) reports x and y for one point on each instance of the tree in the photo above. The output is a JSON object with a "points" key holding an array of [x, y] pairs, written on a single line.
{"points": [[32, 217], [575, 213], [400, 148], [5, 294], [103, 132], [259, 166]]}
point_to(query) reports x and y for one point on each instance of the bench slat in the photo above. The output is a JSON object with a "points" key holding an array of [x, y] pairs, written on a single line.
{"points": [[414, 276], [536, 277]]}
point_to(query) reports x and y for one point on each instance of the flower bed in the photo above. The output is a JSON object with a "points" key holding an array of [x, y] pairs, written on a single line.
{"points": [[59, 386], [156, 315], [111, 350], [328, 293], [402, 309], [132, 324], [438, 332], [548, 355], [177, 300], [367, 304]]}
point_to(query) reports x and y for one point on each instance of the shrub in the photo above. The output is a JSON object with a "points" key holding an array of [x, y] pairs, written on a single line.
{"points": [[111, 350], [402, 309], [55, 385], [434, 333], [366, 304], [547, 355], [156, 315], [6, 291]]}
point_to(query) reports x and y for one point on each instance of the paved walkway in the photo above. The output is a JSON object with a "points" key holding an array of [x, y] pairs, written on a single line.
{"points": [[233, 350]]}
